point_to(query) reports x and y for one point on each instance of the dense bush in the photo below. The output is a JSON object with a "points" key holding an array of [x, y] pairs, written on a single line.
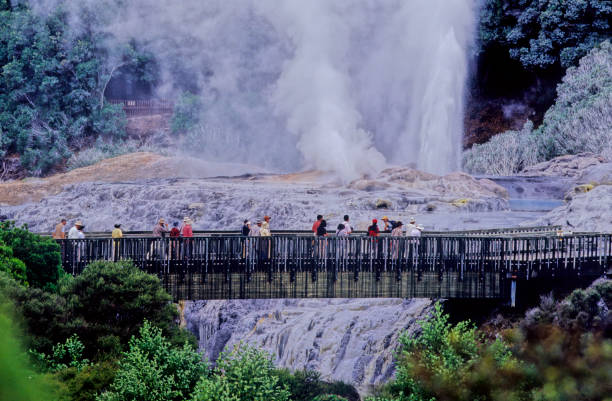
{"points": [[559, 351], [40, 255], [63, 356], [306, 385], [581, 118], [579, 121], [104, 306], [504, 154], [152, 370], [244, 374], [109, 301], [545, 34]]}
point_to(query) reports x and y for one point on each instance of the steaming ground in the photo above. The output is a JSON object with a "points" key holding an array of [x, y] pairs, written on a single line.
{"points": [[345, 86], [138, 189]]}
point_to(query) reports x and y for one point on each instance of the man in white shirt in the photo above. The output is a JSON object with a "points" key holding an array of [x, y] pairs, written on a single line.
{"points": [[75, 232], [412, 229], [347, 226]]}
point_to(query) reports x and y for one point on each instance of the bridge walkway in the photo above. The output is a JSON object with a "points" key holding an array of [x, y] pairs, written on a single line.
{"points": [[300, 266]]}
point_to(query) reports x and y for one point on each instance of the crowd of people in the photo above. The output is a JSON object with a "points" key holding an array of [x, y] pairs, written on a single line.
{"points": [[260, 229], [344, 229]]}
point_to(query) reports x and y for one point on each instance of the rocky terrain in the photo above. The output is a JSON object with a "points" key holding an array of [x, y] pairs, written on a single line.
{"points": [[138, 189], [587, 192], [349, 340]]}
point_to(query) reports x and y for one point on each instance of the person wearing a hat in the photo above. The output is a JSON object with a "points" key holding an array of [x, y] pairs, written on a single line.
{"points": [[76, 231], [187, 230], [398, 230], [373, 229], [389, 224], [413, 229], [265, 227], [160, 229], [256, 230]]}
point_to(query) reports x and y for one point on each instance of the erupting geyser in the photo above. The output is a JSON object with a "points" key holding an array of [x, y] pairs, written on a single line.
{"points": [[346, 86]]}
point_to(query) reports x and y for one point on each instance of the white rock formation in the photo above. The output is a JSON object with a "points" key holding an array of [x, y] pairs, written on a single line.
{"points": [[352, 340]]}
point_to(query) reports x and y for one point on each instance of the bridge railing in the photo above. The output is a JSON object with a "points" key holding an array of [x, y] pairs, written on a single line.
{"points": [[436, 252], [285, 266]]}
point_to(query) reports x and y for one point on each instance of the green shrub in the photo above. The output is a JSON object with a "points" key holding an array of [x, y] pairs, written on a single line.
{"points": [[41, 255], [86, 384], [64, 356], [306, 385], [152, 370], [244, 374]]}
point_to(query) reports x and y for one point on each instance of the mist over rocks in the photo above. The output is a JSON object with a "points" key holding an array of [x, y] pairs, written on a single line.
{"points": [[352, 340], [109, 192]]}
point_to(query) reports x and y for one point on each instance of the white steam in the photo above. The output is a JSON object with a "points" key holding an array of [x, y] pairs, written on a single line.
{"points": [[343, 86]]}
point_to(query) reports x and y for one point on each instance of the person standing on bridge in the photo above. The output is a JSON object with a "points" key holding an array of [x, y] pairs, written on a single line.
{"points": [[187, 234], [75, 232], [347, 226], [175, 233], [158, 247], [373, 230], [412, 229], [116, 235], [316, 224], [265, 227], [246, 228], [160, 229], [389, 224], [59, 232]]}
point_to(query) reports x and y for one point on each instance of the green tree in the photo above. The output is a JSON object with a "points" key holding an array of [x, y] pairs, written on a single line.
{"points": [[52, 83], [41, 255], [111, 300], [244, 374], [152, 370], [545, 34]]}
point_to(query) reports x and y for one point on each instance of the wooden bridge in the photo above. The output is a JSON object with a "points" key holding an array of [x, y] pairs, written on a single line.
{"points": [[302, 266]]}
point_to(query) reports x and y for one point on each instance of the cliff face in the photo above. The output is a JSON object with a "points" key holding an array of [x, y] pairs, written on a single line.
{"points": [[352, 340]]}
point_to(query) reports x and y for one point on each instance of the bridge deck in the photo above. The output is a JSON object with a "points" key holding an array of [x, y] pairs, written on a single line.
{"points": [[228, 267]]}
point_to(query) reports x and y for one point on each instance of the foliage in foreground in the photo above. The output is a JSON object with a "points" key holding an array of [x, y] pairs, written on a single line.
{"points": [[18, 381], [152, 370], [560, 351], [243, 374], [579, 121], [104, 306]]}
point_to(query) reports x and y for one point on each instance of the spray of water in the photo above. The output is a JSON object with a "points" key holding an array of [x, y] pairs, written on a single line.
{"points": [[346, 86]]}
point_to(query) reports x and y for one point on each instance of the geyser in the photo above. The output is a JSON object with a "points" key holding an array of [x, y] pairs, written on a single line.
{"points": [[346, 86]]}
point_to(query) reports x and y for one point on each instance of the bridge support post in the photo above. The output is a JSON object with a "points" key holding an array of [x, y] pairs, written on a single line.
{"points": [[513, 292]]}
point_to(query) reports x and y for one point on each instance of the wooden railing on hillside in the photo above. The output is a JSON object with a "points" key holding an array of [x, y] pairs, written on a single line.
{"points": [[227, 267], [144, 107]]}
